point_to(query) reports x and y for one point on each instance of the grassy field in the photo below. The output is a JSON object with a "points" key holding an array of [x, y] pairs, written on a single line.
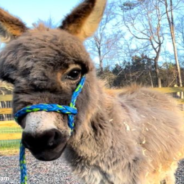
{"points": [[10, 135], [4, 144], [8, 124], [9, 147], [169, 90], [10, 132]]}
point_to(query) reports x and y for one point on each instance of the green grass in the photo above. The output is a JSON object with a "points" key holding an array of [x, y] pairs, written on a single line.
{"points": [[10, 151], [4, 130], [9, 147], [6, 144]]}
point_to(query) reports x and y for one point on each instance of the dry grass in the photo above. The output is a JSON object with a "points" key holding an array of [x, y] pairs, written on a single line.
{"points": [[10, 136], [10, 151], [169, 90], [8, 124]]}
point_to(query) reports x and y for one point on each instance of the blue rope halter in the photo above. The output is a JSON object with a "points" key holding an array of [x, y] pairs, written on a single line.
{"points": [[69, 110]]}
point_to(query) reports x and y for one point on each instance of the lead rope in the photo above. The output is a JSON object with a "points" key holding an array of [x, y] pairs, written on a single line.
{"points": [[70, 110]]}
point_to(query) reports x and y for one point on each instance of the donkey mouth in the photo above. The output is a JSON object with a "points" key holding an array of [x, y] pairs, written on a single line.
{"points": [[48, 155]]}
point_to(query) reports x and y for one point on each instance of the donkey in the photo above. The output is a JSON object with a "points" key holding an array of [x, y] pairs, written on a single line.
{"points": [[135, 136]]}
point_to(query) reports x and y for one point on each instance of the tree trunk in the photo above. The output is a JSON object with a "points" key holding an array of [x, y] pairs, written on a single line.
{"points": [[100, 60], [151, 79], [172, 30], [159, 84], [101, 65], [179, 79]]}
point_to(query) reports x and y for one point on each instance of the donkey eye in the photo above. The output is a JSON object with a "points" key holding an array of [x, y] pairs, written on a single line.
{"points": [[74, 74]]}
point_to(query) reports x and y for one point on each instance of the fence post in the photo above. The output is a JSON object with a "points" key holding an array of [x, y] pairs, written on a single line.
{"points": [[182, 95]]}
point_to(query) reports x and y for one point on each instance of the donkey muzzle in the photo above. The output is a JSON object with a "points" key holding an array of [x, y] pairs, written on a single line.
{"points": [[47, 145]]}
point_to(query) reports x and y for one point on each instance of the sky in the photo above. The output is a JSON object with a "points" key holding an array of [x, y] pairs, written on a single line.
{"points": [[31, 11]]}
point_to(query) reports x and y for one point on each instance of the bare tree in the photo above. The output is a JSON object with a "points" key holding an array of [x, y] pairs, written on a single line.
{"points": [[169, 8], [180, 31], [104, 44], [143, 21]]}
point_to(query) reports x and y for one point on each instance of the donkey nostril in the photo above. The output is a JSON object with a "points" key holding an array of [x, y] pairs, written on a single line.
{"points": [[54, 139], [51, 141]]}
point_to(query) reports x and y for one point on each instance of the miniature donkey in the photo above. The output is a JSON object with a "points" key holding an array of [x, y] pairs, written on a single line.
{"points": [[131, 137]]}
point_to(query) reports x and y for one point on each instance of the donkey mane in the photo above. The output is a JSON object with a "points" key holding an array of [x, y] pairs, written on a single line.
{"points": [[131, 136]]}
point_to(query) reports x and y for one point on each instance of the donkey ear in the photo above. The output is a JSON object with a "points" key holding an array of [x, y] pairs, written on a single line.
{"points": [[84, 19], [10, 26]]}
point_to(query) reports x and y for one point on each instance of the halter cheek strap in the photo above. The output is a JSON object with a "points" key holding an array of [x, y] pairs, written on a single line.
{"points": [[70, 110]]}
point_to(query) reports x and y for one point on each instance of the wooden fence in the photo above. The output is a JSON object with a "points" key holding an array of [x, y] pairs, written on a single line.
{"points": [[6, 107], [10, 132]]}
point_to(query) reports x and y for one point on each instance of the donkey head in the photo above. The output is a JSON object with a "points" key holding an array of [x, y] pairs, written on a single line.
{"points": [[45, 66]]}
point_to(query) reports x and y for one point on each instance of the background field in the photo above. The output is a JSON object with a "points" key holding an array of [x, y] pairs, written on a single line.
{"points": [[10, 131], [10, 135]]}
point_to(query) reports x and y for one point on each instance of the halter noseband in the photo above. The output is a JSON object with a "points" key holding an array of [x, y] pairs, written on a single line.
{"points": [[70, 110]]}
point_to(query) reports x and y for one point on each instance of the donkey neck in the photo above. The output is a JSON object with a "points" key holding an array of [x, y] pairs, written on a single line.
{"points": [[94, 137]]}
